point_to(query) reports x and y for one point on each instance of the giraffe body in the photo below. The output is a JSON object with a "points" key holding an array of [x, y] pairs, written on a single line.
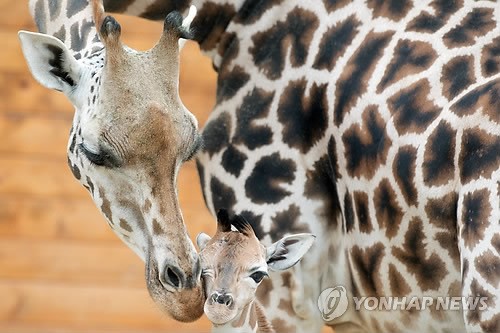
{"points": [[371, 124]]}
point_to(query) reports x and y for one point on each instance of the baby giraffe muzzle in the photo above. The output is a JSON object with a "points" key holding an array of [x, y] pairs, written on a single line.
{"points": [[234, 263]]}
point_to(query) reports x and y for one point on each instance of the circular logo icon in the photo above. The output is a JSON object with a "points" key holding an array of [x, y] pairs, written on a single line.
{"points": [[332, 302]]}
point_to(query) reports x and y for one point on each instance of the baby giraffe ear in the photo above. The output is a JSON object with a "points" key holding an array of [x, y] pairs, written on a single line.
{"points": [[202, 240], [49, 60], [288, 251]]}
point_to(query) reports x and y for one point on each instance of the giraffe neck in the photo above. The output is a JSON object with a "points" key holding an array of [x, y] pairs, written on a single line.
{"points": [[251, 320], [71, 21]]}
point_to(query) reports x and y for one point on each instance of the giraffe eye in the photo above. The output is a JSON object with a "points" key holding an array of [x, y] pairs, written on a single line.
{"points": [[102, 158], [95, 158], [258, 276]]}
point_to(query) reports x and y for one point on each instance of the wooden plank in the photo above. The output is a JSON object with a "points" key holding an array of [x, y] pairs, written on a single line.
{"points": [[22, 94], [53, 218], [14, 15], [38, 175], [50, 176], [75, 219], [85, 308], [34, 134], [71, 262], [197, 84]]}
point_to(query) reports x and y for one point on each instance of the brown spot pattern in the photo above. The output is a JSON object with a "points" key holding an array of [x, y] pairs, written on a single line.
{"points": [[429, 271], [321, 185], [392, 9], [477, 23], [125, 226], [287, 221], [292, 35], [210, 22], [105, 206], [399, 287], [366, 146], [304, 114], [484, 98], [476, 290], [439, 155], [366, 261], [280, 325], [362, 212], [251, 11], [388, 212], [410, 57], [332, 5], [404, 173], [488, 265], [479, 155], [490, 58], [157, 228], [412, 108], [442, 213], [263, 293], [334, 43], [353, 81], [457, 75], [286, 305]]}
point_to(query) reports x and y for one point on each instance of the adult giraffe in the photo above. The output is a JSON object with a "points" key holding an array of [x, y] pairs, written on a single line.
{"points": [[372, 124]]}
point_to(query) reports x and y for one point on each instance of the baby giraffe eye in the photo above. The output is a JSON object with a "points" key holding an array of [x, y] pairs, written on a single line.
{"points": [[258, 276]]}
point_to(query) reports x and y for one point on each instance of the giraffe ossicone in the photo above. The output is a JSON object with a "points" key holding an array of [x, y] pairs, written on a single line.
{"points": [[130, 135], [234, 262]]}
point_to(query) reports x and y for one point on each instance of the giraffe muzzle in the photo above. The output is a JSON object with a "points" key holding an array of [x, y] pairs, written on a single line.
{"points": [[225, 299]]}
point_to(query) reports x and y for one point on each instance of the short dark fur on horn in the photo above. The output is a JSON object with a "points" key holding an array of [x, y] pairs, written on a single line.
{"points": [[109, 31], [173, 24], [110, 28], [239, 222], [223, 222], [242, 225]]}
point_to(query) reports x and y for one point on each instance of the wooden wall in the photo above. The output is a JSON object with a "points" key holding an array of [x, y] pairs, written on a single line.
{"points": [[61, 268]]}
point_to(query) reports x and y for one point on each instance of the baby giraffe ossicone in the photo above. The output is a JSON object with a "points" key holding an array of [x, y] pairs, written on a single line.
{"points": [[234, 263]]}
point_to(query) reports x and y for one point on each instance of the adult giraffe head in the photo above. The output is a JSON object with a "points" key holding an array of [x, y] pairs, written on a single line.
{"points": [[130, 135]]}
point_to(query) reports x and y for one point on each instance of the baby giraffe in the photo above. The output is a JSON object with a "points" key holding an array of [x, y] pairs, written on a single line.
{"points": [[233, 265]]}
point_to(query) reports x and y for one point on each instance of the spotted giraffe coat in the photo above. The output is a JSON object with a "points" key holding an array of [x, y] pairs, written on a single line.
{"points": [[376, 126]]}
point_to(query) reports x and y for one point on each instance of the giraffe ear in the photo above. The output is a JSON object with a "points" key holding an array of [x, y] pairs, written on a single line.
{"points": [[202, 240], [286, 252], [50, 62]]}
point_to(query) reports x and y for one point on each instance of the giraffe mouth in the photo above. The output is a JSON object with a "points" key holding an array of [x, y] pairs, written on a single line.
{"points": [[219, 314], [184, 304]]}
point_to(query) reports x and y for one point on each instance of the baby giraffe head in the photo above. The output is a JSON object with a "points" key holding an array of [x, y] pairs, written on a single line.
{"points": [[235, 262]]}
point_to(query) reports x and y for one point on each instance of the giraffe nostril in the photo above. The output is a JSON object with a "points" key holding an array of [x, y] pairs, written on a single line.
{"points": [[225, 299], [173, 276]]}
